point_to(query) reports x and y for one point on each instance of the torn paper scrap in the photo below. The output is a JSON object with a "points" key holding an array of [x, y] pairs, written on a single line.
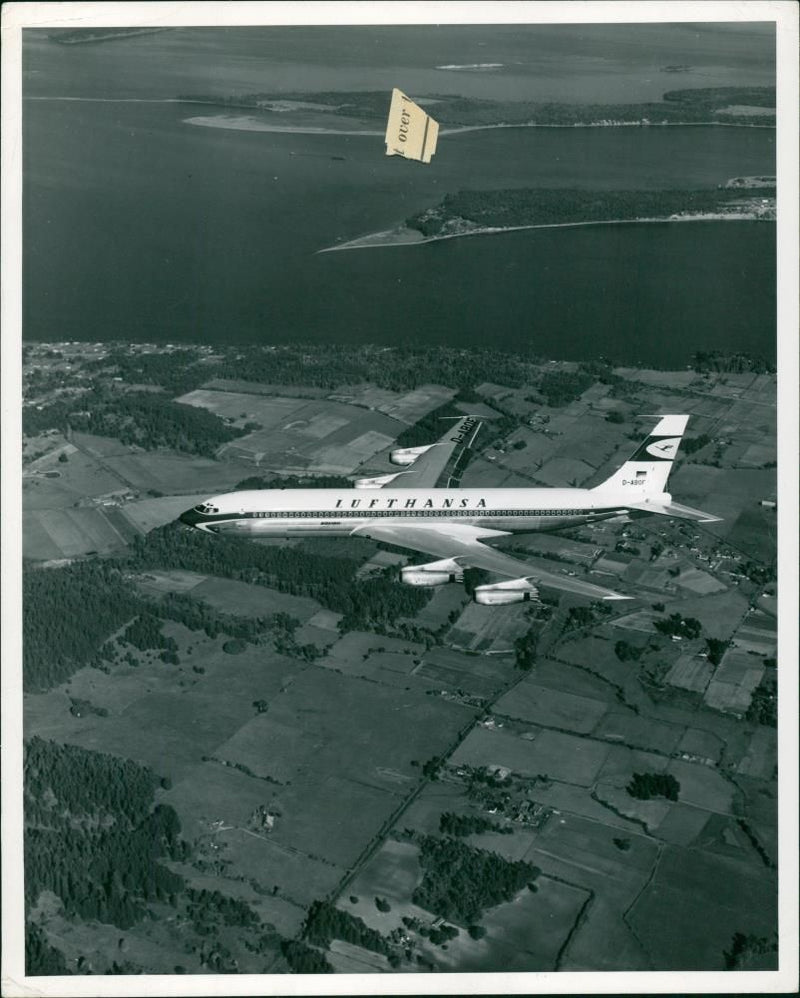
{"points": [[410, 132]]}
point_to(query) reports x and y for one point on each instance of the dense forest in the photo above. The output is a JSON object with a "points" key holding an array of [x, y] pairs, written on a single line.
{"points": [[71, 612], [40, 957], [67, 615], [93, 836], [300, 570], [560, 206], [326, 922], [146, 419], [304, 959], [327, 366], [97, 839], [677, 106], [730, 363], [459, 882]]}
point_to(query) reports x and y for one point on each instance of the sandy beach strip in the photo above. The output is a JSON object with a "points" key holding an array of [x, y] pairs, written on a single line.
{"points": [[246, 123]]}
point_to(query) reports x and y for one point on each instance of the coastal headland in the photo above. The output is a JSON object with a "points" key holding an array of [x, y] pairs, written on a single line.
{"points": [[474, 213]]}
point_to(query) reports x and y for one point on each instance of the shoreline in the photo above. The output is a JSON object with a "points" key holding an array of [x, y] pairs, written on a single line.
{"points": [[255, 125], [249, 123], [402, 235]]}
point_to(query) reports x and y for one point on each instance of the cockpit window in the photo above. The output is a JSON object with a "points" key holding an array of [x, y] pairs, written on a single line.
{"points": [[206, 507]]}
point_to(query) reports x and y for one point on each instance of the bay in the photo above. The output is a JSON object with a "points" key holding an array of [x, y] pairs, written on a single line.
{"points": [[141, 227]]}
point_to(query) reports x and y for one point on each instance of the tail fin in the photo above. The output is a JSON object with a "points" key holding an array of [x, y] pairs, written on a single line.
{"points": [[647, 470]]}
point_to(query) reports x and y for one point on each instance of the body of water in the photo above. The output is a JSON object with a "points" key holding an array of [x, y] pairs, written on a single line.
{"points": [[139, 226]]}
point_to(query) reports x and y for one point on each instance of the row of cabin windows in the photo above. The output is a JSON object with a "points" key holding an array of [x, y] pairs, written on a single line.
{"points": [[373, 513]]}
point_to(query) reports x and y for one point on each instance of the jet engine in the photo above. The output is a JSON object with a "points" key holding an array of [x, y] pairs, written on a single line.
{"points": [[512, 591], [435, 573], [408, 455]]}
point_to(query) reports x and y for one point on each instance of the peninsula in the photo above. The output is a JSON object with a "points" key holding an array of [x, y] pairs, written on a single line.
{"points": [[744, 106], [469, 213]]}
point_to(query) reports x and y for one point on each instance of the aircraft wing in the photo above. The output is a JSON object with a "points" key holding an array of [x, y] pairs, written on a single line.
{"points": [[426, 464], [463, 543]]}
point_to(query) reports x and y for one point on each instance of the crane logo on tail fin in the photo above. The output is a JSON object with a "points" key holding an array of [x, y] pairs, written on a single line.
{"points": [[662, 449]]}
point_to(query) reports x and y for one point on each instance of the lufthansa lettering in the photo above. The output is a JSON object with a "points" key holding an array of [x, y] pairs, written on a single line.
{"points": [[410, 503]]}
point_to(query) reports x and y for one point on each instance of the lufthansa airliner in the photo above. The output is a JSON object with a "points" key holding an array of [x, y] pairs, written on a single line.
{"points": [[457, 525]]}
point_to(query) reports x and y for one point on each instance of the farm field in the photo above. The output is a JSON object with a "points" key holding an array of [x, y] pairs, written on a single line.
{"points": [[67, 533], [297, 779], [478, 674], [242, 599], [560, 756], [553, 708], [700, 890], [297, 435], [489, 630]]}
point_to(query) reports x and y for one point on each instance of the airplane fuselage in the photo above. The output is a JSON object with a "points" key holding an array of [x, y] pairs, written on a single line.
{"points": [[339, 512]]}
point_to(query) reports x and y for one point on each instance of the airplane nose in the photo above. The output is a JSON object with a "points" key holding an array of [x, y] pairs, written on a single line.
{"points": [[191, 517]]}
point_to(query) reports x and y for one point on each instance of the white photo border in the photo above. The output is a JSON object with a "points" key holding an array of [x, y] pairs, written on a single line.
{"points": [[15, 17]]}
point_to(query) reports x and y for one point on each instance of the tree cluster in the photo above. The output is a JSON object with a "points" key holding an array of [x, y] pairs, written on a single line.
{"points": [[730, 363], [177, 371], [643, 786], [304, 959], [70, 612], [92, 835], [146, 419], [716, 649], [559, 206], [525, 649], [459, 882], [763, 707], [678, 626], [325, 922], [746, 948], [562, 387], [690, 445], [470, 824], [208, 909], [67, 614], [626, 652], [363, 603], [42, 959]]}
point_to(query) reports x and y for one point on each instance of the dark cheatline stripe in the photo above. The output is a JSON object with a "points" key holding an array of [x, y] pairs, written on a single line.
{"points": [[442, 514]]}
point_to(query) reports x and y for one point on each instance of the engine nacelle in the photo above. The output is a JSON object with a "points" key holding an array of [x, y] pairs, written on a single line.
{"points": [[377, 482], [435, 573], [512, 591], [408, 455]]}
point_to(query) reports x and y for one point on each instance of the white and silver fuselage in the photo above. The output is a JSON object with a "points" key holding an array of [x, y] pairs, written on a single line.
{"points": [[339, 512]]}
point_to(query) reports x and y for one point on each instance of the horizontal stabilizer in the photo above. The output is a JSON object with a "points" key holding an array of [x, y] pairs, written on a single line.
{"points": [[675, 509]]}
